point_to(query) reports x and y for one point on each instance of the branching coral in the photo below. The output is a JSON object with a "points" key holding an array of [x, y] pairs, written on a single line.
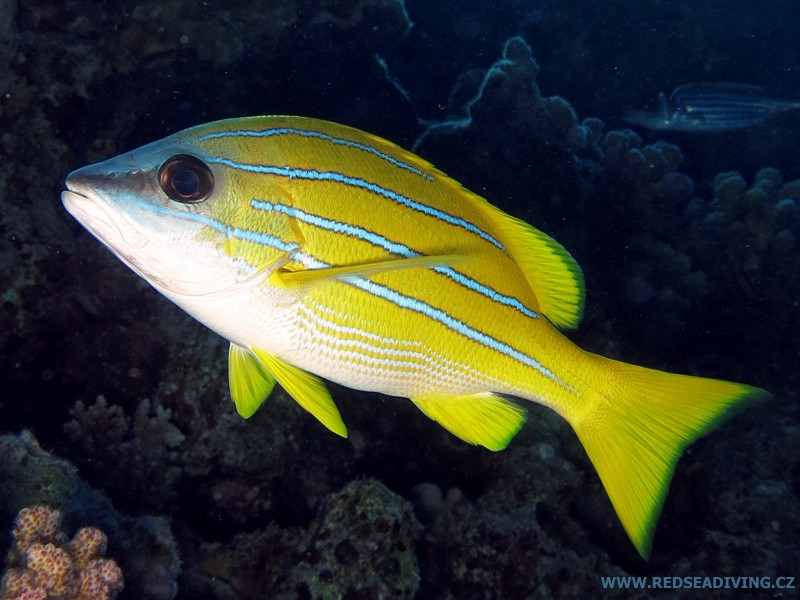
{"points": [[43, 565], [143, 445], [748, 235], [759, 223]]}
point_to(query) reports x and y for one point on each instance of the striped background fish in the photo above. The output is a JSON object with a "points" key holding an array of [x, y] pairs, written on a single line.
{"points": [[323, 252], [712, 107]]}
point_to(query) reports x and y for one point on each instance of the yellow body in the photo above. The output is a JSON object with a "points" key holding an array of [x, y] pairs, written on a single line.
{"points": [[356, 261]]}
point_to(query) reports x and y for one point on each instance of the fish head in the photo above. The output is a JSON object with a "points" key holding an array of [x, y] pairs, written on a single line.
{"points": [[165, 210]]}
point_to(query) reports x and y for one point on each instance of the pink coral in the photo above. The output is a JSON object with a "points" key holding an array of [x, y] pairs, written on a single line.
{"points": [[51, 567], [37, 523], [43, 566], [87, 544], [101, 578], [18, 585]]}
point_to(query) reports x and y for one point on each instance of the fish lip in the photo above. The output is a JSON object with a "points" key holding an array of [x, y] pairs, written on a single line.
{"points": [[99, 216]]}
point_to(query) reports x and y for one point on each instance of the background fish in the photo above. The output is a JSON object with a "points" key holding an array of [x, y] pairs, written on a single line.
{"points": [[709, 107], [321, 251]]}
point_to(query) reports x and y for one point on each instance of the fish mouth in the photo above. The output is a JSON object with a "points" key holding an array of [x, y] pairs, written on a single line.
{"points": [[107, 220], [100, 217]]}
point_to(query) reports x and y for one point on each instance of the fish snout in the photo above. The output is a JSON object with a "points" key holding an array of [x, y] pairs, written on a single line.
{"points": [[87, 200]]}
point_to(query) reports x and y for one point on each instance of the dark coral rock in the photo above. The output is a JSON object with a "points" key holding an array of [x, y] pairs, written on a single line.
{"points": [[152, 563], [248, 565], [277, 465], [517, 540], [360, 546]]}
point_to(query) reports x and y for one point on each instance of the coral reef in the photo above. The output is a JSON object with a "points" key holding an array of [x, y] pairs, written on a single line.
{"points": [[759, 224], [32, 476], [532, 142], [144, 446], [361, 545], [748, 505], [42, 564], [645, 191], [748, 236], [518, 538], [685, 249], [150, 558]]}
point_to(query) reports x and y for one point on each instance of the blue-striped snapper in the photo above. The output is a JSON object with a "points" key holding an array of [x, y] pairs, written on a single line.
{"points": [[323, 252]]}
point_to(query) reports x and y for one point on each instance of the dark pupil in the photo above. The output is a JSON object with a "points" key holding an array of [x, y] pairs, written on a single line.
{"points": [[186, 182], [185, 178]]}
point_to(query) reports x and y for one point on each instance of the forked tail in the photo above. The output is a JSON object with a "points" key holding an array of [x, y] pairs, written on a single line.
{"points": [[636, 427]]}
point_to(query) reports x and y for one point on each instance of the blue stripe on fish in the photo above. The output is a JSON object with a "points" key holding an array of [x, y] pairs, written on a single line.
{"points": [[312, 175], [335, 226], [370, 287], [438, 315], [393, 247], [484, 290], [453, 324], [246, 235], [322, 136]]}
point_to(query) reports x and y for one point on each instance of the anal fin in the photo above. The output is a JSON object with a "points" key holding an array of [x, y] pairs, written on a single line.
{"points": [[482, 419]]}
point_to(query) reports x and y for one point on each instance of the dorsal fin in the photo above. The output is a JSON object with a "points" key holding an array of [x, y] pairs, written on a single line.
{"points": [[552, 273], [550, 270]]}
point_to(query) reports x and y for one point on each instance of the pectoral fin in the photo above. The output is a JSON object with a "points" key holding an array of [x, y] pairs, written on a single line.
{"points": [[241, 282], [312, 276], [249, 381], [482, 419], [306, 389]]}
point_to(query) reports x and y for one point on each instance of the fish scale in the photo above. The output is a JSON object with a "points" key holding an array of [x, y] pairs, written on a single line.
{"points": [[375, 359]]}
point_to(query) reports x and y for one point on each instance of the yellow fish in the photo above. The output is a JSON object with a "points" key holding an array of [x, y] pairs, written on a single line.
{"points": [[321, 251]]}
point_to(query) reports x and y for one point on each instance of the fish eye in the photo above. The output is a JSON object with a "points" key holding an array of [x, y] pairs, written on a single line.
{"points": [[186, 178]]}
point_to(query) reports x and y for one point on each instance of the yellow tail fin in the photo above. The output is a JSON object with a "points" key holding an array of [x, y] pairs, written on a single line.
{"points": [[636, 428]]}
